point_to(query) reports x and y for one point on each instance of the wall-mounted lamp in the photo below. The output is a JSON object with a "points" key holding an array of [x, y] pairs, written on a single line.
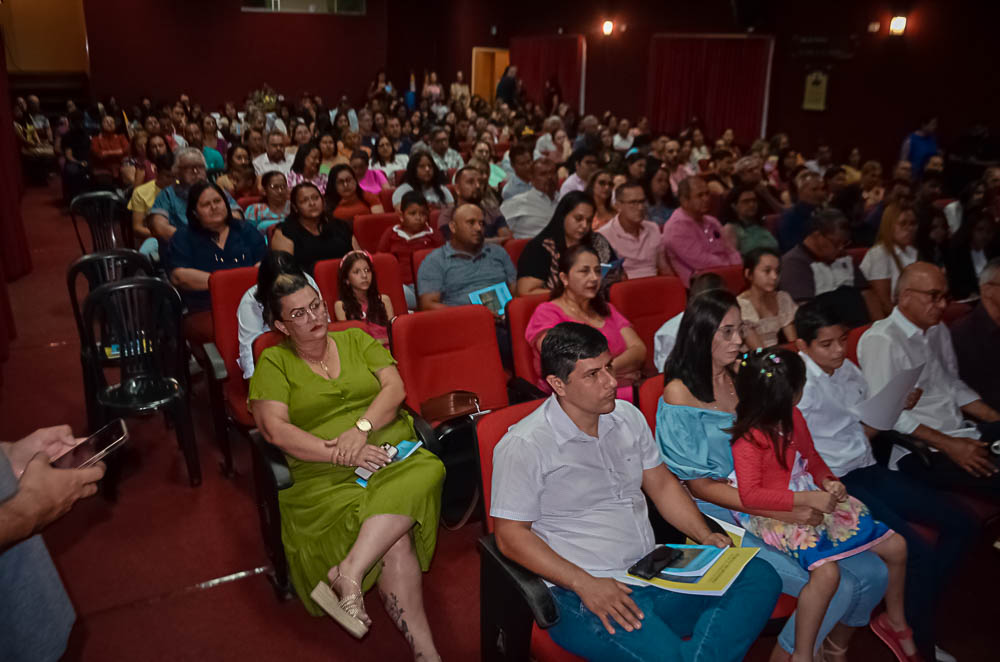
{"points": [[874, 27], [897, 26], [608, 27]]}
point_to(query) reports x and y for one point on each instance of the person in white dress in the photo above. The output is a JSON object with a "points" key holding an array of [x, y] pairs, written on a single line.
{"points": [[893, 251]]}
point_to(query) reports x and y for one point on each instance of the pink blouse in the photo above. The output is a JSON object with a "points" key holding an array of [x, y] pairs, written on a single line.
{"points": [[548, 314], [373, 181]]}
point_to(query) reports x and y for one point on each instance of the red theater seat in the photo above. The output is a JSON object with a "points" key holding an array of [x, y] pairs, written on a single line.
{"points": [[647, 303], [386, 273], [732, 275], [369, 228]]}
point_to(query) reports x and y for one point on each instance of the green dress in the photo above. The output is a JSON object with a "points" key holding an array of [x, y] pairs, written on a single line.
{"points": [[322, 512]]}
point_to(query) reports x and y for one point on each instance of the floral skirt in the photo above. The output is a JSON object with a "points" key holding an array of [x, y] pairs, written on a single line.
{"points": [[848, 530]]}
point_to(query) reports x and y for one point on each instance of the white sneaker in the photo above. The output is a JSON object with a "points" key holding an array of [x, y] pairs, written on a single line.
{"points": [[942, 655]]}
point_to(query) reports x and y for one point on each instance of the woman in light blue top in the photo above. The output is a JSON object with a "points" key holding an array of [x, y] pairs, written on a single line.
{"points": [[692, 419]]}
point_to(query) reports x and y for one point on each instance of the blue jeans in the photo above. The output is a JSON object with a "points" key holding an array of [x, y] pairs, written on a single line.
{"points": [[863, 580], [720, 628], [897, 499]]}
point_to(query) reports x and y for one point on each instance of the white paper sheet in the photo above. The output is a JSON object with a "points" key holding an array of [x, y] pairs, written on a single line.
{"points": [[882, 409]]}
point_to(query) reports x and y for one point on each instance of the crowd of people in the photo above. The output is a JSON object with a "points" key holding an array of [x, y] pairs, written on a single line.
{"points": [[763, 437]]}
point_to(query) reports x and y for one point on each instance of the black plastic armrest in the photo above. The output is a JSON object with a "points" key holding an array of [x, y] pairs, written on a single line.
{"points": [[274, 459], [425, 433], [916, 446], [531, 588], [521, 390], [219, 372]]}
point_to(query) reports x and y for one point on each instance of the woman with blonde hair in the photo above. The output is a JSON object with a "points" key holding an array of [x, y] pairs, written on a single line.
{"points": [[894, 249]]}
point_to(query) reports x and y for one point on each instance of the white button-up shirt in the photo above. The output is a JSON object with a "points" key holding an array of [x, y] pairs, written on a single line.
{"points": [[665, 339], [827, 404], [895, 344], [528, 213], [583, 495]]}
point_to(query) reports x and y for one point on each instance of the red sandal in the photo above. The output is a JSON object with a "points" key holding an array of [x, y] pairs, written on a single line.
{"points": [[894, 638]]}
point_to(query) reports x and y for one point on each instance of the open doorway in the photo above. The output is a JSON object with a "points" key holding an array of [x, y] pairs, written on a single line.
{"points": [[488, 65]]}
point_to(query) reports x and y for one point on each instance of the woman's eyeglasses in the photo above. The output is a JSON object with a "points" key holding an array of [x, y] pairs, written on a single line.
{"points": [[728, 331], [316, 310]]}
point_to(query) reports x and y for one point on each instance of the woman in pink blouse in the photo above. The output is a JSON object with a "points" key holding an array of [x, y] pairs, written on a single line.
{"points": [[305, 168], [576, 298], [369, 179]]}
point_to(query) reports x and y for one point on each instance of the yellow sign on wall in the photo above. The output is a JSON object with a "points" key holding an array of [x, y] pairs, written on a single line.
{"points": [[815, 94]]}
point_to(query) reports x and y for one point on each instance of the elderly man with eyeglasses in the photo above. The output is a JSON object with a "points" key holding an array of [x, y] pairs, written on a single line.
{"points": [[169, 210], [950, 418]]}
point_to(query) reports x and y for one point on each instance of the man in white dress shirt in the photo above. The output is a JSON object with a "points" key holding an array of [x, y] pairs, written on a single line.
{"points": [[834, 387], [913, 335], [527, 213]]}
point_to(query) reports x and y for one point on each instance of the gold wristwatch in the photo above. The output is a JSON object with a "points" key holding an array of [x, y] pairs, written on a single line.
{"points": [[364, 425]]}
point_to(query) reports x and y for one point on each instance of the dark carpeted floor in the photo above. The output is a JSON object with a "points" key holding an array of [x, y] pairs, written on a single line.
{"points": [[135, 570]]}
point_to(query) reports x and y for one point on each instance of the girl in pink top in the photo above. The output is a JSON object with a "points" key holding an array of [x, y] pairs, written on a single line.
{"points": [[360, 298], [576, 298], [369, 179]]}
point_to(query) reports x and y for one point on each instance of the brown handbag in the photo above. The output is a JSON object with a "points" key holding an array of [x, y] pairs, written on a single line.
{"points": [[450, 405]]}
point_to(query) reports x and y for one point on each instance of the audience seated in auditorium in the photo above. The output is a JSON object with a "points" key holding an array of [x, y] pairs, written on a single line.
{"points": [[305, 168], [329, 156], [274, 208], [490, 200], [134, 165], [469, 188], [345, 198], [483, 151], [600, 188], [341, 538], [765, 309], [255, 142], [744, 226], [310, 232], [823, 160], [520, 173], [250, 312], [677, 168], [818, 267], [527, 213], [794, 223], [144, 196], [692, 430], [360, 297], [934, 240], [424, 177], [660, 202], [666, 335], [623, 138], [914, 335], [720, 180], [972, 247], [238, 156], [370, 180], [920, 145], [589, 134], [857, 199], [556, 524], [444, 156], [386, 159], [571, 224], [749, 171], [635, 239], [834, 387], [894, 249], [976, 339], [212, 239], [210, 135], [170, 209], [194, 137], [584, 163], [692, 240], [972, 197], [275, 158], [464, 264]]}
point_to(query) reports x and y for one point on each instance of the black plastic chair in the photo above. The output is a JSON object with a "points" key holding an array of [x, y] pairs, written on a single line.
{"points": [[107, 217], [98, 269], [143, 317]]}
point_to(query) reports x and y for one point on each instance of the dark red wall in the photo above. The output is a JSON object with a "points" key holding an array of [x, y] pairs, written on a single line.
{"points": [[214, 52]]}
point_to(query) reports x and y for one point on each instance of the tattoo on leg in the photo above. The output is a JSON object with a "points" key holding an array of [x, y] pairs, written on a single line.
{"points": [[396, 614]]}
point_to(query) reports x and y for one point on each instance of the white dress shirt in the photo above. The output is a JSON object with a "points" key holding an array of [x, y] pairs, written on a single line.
{"points": [[528, 213], [879, 265], [582, 494], [263, 164], [544, 146], [620, 144], [895, 344], [827, 404], [665, 339]]}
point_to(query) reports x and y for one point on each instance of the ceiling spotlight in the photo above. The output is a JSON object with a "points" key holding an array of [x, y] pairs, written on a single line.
{"points": [[897, 25], [609, 26]]}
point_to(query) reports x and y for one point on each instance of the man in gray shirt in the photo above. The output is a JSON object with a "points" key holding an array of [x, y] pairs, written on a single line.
{"points": [[35, 613], [568, 504]]}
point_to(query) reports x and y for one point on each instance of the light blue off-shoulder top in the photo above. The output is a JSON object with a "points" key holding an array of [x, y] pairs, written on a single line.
{"points": [[693, 442]]}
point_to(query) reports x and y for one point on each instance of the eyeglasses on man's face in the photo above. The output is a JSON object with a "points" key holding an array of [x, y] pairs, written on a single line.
{"points": [[936, 296]]}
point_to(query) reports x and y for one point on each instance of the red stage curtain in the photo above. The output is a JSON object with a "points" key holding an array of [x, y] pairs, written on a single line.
{"points": [[540, 58], [721, 81]]}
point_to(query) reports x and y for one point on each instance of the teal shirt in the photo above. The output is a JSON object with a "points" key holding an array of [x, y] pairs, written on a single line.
{"points": [[213, 160], [693, 441]]}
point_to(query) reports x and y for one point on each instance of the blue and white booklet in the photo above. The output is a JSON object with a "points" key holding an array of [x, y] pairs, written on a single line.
{"points": [[404, 450], [695, 560], [494, 297]]}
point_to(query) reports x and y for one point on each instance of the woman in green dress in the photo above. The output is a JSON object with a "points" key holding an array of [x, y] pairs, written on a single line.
{"points": [[329, 401]]}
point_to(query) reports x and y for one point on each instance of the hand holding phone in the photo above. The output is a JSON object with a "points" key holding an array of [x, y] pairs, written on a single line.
{"points": [[96, 447]]}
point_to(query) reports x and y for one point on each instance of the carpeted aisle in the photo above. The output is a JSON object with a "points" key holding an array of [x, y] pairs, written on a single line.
{"points": [[134, 569]]}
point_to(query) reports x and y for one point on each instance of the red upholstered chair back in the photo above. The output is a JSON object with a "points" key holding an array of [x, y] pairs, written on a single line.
{"points": [[227, 287], [272, 338], [453, 349], [248, 200], [489, 431], [385, 197], [647, 303], [369, 228], [732, 275], [418, 258], [519, 311], [435, 215], [386, 272], [514, 248], [853, 336], [398, 177], [857, 254], [649, 399]]}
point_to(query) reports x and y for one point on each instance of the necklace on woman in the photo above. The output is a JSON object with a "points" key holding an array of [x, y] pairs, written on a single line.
{"points": [[732, 394], [322, 361]]}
